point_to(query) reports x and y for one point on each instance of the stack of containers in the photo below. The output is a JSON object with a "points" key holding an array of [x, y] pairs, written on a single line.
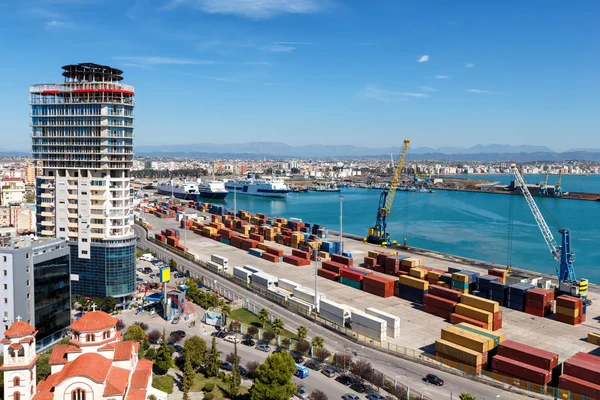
{"points": [[440, 301], [568, 309], [393, 322], [539, 302], [419, 273], [581, 375], [334, 312], [484, 285], [516, 295], [469, 339], [392, 265], [489, 306], [347, 261], [524, 362], [256, 252], [323, 273], [497, 337], [410, 262], [433, 277], [412, 289], [352, 277], [499, 292], [594, 338], [368, 325], [473, 316], [500, 273], [307, 295], [288, 285], [460, 282], [333, 266], [379, 285], [460, 354], [370, 262]]}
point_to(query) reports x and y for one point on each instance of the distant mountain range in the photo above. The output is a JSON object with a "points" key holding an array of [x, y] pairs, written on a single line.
{"points": [[492, 152]]}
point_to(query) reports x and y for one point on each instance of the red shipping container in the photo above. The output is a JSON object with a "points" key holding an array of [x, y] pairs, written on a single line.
{"points": [[392, 270], [569, 302], [477, 368], [584, 366], [257, 237], [540, 294], [378, 268], [370, 262], [445, 293], [528, 354], [378, 291], [381, 258], [333, 266], [439, 302], [497, 321], [323, 273], [538, 312], [342, 260], [354, 276], [392, 262], [521, 370], [565, 319], [270, 257], [300, 253], [429, 309], [380, 281], [579, 386], [457, 319], [274, 251]]}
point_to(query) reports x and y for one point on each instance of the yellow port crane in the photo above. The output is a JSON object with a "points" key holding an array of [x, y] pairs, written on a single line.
{"points": [[379, 234]]}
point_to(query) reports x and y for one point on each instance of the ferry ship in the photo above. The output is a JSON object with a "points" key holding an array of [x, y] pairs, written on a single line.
{"points": [[211, 190], [258, 187]]}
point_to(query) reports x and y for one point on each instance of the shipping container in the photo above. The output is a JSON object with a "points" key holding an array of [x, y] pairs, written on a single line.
{"points": [[338, 313], [445, 293], [579, 386], [439, 302], [413, 282], [475, 313], [470, 340], [527, 354], [280, 295], [521, 370], [429, 309], [300, 306], [594, 338], [347, 261], [496, 337], [349, 282], [287, 284], [464, 355], [368, 332], [457, 319], [307, 294], [477, 302], [584, 366], [393, 321], [263, 280], [323, 273], [370, 321], [352, 275], [223, 261], [242, 273]]}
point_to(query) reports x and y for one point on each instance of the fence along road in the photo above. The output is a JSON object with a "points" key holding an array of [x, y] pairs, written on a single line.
{"points": [[408, 372]]}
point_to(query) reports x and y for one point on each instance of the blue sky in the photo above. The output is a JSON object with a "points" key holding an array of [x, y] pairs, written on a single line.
{"points": [[368, 73]]}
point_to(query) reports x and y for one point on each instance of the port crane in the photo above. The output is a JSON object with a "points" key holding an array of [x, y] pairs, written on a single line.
{"points": [[563, 256], [379, 234], [558, 191], [544, 185]]}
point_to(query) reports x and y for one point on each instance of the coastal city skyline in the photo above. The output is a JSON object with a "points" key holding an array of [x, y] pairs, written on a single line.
{"points": [[340, 72]]}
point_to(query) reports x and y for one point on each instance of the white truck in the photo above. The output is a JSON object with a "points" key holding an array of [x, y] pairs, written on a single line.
{"points": [[263, 280], [147, 257], [242, 273], [220, 260]]}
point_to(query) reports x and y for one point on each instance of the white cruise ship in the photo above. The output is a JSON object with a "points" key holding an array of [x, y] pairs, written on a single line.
{"points": [[258, 187], [210, 190]]}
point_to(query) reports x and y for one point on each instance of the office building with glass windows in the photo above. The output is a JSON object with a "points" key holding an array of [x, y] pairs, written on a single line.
{"points": [[82, 133]]}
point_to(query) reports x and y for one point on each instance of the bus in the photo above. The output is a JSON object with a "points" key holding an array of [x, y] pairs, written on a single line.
{"points": [[301, 371]]}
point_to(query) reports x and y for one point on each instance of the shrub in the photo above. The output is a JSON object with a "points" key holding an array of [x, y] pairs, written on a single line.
{"points": [[120, 325], [302, 346], [252, 331], [208, 387], [268, 336], [142, 325], [209, 396]]}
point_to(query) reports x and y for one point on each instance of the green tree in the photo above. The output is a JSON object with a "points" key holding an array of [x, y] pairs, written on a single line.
{"points": [[136, 333], [195, 350], [188, 375], [302, 333], [467, 396], [236, 380], [273, 379], [226, 309], [278, 326], [42, 367], [263, 316], [295, 171], [164, 360], [213, 360], [173, 264], [318, 342]]}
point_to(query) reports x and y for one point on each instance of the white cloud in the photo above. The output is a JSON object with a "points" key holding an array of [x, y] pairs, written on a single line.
{"points": [[427, 89], [479, 91], [266, 63], [283, 47], [442, 77], [469, 65], [256, 9], [374, 93], [155, 60], [423, 59], [54, 24]]}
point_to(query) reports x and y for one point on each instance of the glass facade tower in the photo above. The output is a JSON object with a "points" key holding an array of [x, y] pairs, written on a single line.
{"points": [[82, 133]]}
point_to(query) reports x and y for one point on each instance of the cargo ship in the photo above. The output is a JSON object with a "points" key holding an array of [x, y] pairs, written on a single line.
{"points": [[258, 187], [211, 190]]}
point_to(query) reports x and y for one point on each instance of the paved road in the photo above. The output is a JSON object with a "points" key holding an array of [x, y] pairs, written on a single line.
{"points": [[404, 371]]}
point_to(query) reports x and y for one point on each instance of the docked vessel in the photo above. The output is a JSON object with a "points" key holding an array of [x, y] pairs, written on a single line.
{"points": [[211, 190], [326, 188], [258, 187]]}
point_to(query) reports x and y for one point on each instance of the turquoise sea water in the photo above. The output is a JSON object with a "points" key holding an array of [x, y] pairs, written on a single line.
{"points": [[468, 224]]}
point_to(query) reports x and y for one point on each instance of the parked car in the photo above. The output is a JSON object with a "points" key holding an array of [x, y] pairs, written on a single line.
{"points": [[180, 333], [350, 396], [302, 393], [231, 339], [152, 276], [313, 365], [177, 348], [345, 380], [219, 334], [242, 370], [375, 396], [436, 380], [140, 269], [358, 387], [175, 320], [298, 357], [226, 366], [147, 270], [249, 342], [328, 372], [156, 261], [263, 347]]}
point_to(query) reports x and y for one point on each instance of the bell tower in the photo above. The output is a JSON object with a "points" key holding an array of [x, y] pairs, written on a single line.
{"points": [[19, 361]]}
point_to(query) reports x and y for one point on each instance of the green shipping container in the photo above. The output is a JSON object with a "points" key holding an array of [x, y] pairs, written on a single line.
{"points": [[226, 241], [479, 332], [351, 283]]}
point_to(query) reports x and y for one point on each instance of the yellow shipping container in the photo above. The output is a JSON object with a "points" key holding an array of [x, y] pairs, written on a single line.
{"points": [[434, 275], [481, 303], [475, 313], [470, 340], [467, 356], [567, 311], [486, 332], [443, 284], [414, 282], [594, 338], [412, 262], [460, 277], [373, 254], [324, 254], [418, 273], [263, 246]]}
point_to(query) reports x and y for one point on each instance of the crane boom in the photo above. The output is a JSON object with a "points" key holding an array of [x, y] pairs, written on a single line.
{"points": [[537, 214], [399, 165]]}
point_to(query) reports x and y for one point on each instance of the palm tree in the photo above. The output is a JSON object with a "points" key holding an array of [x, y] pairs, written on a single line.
{"points": [[263, 316], [302, 333], [226, 309], [278, 326], [318, 342], [467, 396]]}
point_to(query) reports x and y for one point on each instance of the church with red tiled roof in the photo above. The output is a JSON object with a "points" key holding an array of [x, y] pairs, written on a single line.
{"points": [[96, 364]]}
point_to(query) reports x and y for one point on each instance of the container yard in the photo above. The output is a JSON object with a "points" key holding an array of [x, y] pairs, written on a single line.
{"points": [[428, 295]]}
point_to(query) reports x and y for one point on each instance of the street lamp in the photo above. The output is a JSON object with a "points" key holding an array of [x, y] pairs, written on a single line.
{"points": [[341, 217]]}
